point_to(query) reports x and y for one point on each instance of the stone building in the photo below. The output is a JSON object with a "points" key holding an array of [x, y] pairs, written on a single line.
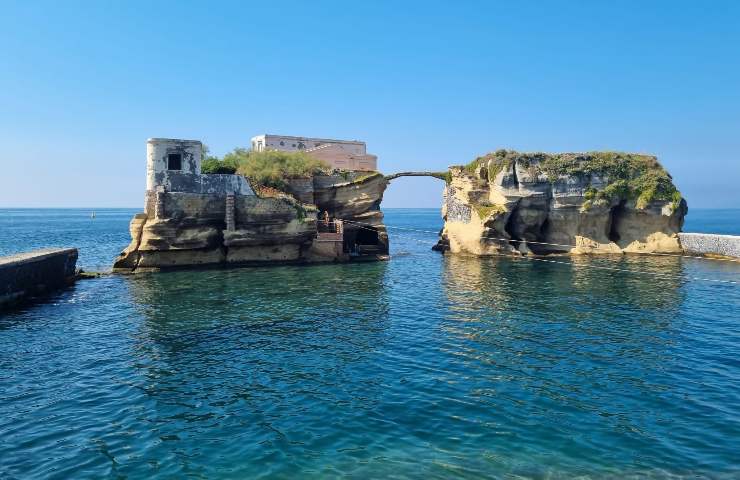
{"points": [[173, 165], [338, 154]]}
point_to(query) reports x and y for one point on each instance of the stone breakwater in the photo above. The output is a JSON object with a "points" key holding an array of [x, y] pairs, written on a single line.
{"points": [[710, 244], [27, 274]]}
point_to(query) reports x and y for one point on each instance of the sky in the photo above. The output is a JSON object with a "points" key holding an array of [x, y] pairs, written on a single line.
{"points": [[426, 84]]}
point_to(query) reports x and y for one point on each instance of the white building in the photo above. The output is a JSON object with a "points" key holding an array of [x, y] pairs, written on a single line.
{"points": [[338, 154]]}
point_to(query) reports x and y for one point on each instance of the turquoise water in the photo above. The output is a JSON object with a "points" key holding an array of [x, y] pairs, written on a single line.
{"points": [[426, 366]]}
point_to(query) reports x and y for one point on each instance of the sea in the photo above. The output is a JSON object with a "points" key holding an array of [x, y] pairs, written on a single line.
{"points": [[424, 366]]}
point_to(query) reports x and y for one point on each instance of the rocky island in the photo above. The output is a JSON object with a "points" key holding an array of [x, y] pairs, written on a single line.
{"points": [[538, 203], [321, 203], [192, 218]]}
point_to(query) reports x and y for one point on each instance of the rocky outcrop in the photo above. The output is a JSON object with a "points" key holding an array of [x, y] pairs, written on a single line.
{"points": [[535, 203], [354, 197], [181, 229]]}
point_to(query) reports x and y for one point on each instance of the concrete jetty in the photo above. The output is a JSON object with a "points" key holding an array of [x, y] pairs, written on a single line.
{"points": [[32, 273]]}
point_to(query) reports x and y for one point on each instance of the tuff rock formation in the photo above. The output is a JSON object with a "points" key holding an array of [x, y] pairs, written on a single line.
{"points": [[190, 229], [536, 203]]}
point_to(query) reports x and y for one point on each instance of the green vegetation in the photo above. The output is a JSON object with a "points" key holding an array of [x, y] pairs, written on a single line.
{"points": [[446, 176], [365, 176], [211, 164], [270, 168], [629, 176], [495, 162], [484, 211]]}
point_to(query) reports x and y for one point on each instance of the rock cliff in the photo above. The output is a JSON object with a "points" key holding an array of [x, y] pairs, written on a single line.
{"points": [[189, 229], [536, 203]]}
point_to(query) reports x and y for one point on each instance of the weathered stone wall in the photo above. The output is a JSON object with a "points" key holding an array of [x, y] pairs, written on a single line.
{"points": [[188, 178], [205, 207], [35, 272], [211, 184], [180, 229], [157, 151], [710, 244]]}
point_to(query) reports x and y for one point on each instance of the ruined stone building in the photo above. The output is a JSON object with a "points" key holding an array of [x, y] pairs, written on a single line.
{"points": [[338, 154]]}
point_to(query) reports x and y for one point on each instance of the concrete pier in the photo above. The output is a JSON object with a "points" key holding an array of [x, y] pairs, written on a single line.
{"points": [[33, 273], [710, 244]]}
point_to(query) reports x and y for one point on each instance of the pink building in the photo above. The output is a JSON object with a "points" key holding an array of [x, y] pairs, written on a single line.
{"points": [[338, 154]]}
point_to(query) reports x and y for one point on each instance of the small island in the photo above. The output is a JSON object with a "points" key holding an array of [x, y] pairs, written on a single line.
{"points": [[305, 201], [577, 203]]}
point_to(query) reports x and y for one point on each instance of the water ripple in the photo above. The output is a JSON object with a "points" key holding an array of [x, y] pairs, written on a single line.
{"points": [[425, 366]]}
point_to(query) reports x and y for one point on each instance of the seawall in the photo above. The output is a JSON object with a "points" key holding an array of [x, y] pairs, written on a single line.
{"points": [[710, 244], [32, 273]]}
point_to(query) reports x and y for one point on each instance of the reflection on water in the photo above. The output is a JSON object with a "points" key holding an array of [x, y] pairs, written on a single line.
{"points": [[611, 279], [426, 366]]}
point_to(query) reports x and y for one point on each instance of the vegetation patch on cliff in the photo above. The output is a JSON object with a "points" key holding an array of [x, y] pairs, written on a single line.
{"points": [[302, 209], [627, 175], [269, 168], [484, 211]]}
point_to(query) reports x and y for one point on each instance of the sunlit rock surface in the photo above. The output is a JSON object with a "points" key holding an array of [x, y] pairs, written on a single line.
{"points": [[534, 203], [191, 229]]}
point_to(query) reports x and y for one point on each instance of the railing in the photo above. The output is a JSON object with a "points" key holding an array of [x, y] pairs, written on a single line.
{"points": [[332, 226], [331, 231]]}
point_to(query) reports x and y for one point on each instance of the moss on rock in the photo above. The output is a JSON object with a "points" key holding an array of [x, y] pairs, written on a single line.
{"points": [[484, 211], [628, 176]]}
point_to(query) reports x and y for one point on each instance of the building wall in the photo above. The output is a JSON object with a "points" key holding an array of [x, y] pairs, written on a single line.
{"points": [[337, 157], [158, 150], [290, 143], [338, 154], [211, 184], [188, 178]]}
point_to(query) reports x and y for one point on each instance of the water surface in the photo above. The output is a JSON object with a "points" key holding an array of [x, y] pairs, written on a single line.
{"points": [[426, 366]]}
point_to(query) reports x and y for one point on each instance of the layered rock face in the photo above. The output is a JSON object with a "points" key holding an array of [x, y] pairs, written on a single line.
{"points": [[356, 199], [190, 229], [534, 203]]}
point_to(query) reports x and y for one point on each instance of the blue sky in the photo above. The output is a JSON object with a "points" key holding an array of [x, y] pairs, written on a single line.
{"points": [[425, 84]]}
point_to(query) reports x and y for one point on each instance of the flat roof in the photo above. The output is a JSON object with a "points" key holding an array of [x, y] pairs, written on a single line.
{"points": [[327, 140], [177, 140]]}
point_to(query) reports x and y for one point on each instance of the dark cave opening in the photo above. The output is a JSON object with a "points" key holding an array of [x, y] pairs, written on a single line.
{"points": [[615, 217], [367, 236]]}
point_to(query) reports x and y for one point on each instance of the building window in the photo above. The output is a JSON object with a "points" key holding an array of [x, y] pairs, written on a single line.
{"points": [[174, 161]]}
